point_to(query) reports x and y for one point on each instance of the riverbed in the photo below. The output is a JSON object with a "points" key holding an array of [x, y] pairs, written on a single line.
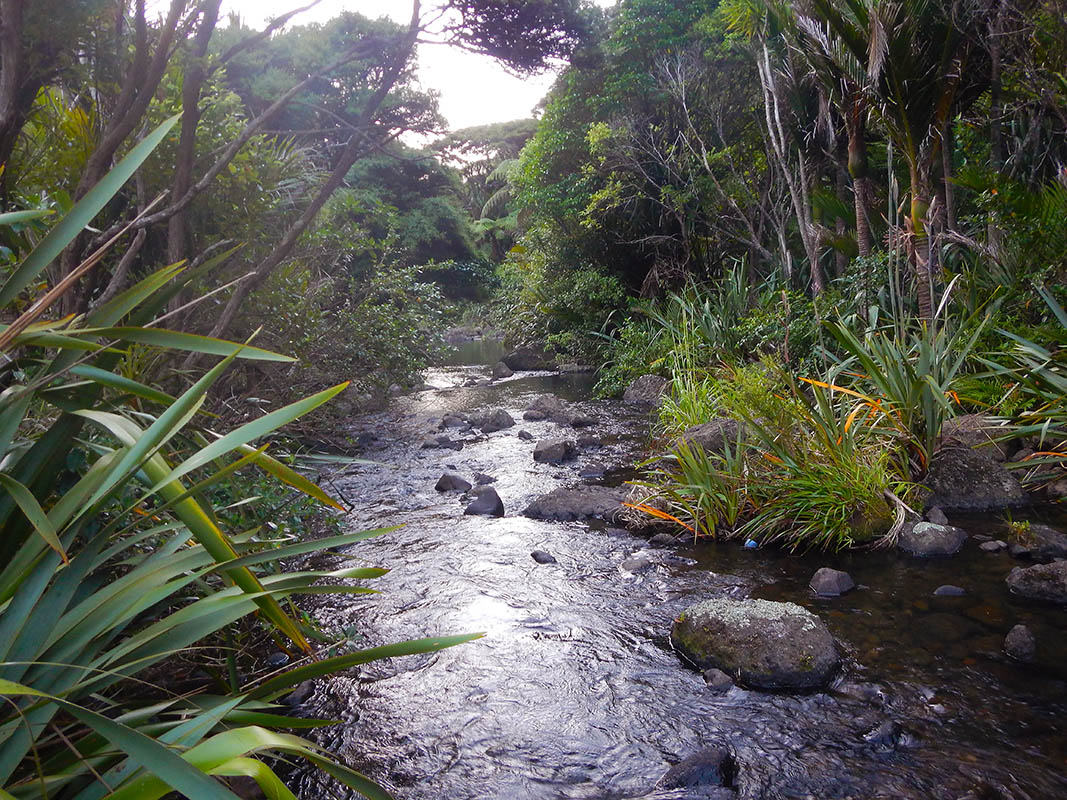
{"points": [[575, 690]]}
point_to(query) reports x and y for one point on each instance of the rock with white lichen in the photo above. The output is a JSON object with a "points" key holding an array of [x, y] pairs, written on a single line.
{"points": [[766, 645]]}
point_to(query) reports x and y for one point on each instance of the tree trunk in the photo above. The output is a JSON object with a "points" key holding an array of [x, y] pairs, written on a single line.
{"points": [[858, 169], [12, 116], [919, 249]]}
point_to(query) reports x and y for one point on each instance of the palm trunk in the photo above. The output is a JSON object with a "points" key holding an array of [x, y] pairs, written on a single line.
{"points": [[920, 241], [858, 169]]}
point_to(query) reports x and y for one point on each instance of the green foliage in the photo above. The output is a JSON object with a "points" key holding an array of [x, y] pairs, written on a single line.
{"points": [[115, 560]]}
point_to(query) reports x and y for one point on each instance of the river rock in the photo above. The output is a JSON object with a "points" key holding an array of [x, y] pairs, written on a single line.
{"points": [[768, 645], [526, 436], [487, 503], [1020, 644], [496, 420], [718, 681], [936, 516], [979, 433], [593, 469], [930, 539], [714, 436], [964, 480], [662, 539], [547, 406], [1040, 543], [713, 766], [646, 391], [527, 358], [481, 479], [1040, 582], [451, 482], [580, 420], [948, 590], [1057, 490], [578, 502], [827, 582], [502, 370], [994, 546], [554, 451], [542, 557], [636, 564], [453, 420]]}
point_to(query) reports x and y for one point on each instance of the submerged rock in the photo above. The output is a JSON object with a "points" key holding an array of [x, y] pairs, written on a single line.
{"points": [[827, 582], [482, 479], [454, 421], [718, 681], [1040, 582], [646, 391], [636, 564], [594, 469], [994, 546], [1020, 644], [487, 503], [496, 420], [713, 766], [580, 420], [964, 480], [948, 590], [578, 502], [930, 539], [768, 645], [451, 482], [526, 436], [554, 451], [502, 370], [543, 557]]}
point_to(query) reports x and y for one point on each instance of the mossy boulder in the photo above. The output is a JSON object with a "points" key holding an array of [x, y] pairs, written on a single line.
{"points": [[765, 644]]}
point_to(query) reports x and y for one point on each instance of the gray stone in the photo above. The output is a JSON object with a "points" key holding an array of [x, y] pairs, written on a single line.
{"points": [[1020, 644], [718, 681], [829, 582], [528, 358], [547, 406], [714, 436], [526, 436], [646, 391], [980, 433], [712, 766], [1040, 543], [993, 547], [502, 370], [542, 557], [532, 415], [1040, 582], [554, 451], [592, 470], [964, 480], [580, 420], [573, 367], [768, 645], [453, 421], [578, 502], [590, 442], [496, 420], [481, 479], [948, 590], [930, 539], [661, 539], [451, 482], [487, 503], [937, 516], [1057, 490], [636, 564]]}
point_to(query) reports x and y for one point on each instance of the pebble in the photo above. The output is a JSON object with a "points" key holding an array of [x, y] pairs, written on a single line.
{"points": [[948, 590]]}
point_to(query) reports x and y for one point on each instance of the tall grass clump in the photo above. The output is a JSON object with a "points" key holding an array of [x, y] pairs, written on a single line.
{"points": [[114, 561]]}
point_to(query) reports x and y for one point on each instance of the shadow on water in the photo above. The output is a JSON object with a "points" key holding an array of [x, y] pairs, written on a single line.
{"points": [[575, 691]]}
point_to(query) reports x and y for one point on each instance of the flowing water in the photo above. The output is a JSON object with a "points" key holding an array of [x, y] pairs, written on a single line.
{"points": [[575, 692]]}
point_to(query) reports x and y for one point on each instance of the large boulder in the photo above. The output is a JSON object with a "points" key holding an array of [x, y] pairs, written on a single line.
{"points": [[1040, 582], [529, 358], [502, 370], [1040, 543], [495, 420], [715, 435], [646, 391], [767, 645], [578, 502], [930, 539], [964, 480], [977, 432], [554, 451]]}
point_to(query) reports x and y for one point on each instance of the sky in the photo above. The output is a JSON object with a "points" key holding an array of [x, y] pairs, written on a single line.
{"points": [[499, 96]]}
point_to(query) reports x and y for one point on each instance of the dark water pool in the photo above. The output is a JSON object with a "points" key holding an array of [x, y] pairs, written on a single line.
{"points": [[575, 692]]}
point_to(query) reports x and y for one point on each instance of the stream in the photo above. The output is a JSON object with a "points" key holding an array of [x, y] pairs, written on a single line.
{"points": [[575, 691]]}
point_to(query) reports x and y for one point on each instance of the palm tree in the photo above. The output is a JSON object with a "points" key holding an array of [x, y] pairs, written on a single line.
{"points": [[919, 63]]}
